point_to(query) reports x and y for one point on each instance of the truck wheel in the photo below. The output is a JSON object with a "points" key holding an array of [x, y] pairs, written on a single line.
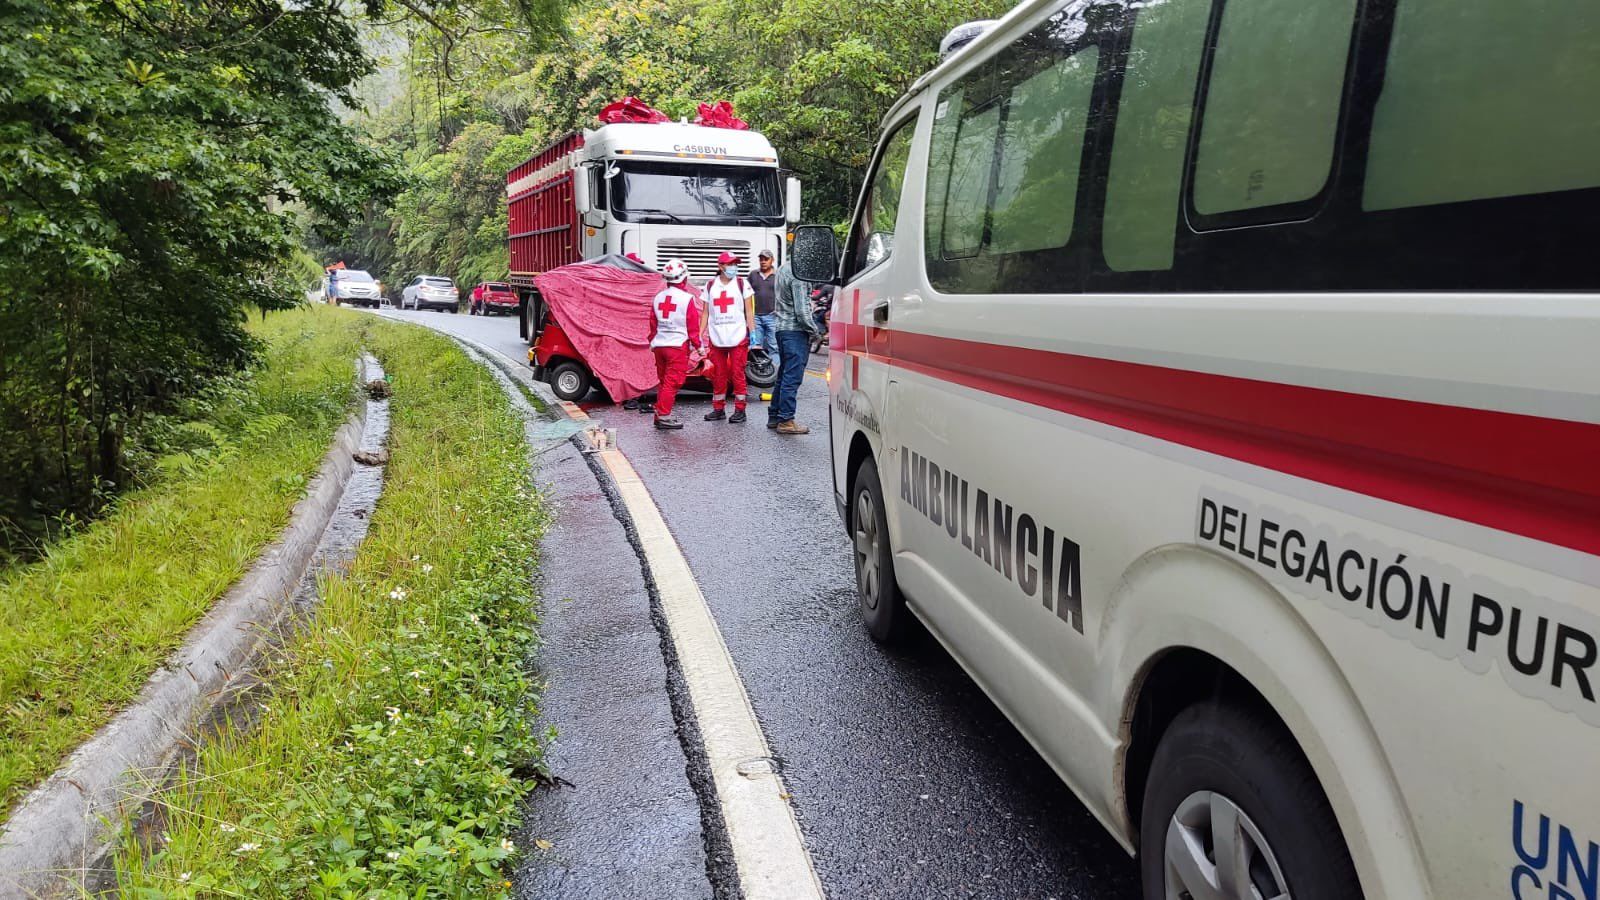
{"points": [[761, 370], [570, 381], [1232, 809], [883, 610]]}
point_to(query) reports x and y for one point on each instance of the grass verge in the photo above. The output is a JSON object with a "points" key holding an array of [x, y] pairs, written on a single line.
{"points": [[390, 755], [83, 628]]}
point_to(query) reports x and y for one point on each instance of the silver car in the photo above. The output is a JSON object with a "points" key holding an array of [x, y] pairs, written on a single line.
{"points": [[354, 287], [431, 292]]}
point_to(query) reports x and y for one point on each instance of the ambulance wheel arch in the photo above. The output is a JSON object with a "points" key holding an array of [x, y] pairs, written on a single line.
{"points": [[1187, 627], [861, 448]]}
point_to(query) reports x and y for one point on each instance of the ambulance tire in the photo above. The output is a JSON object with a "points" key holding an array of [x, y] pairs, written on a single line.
{"points": [[883, 610], [1217, 760], [570, 381]]}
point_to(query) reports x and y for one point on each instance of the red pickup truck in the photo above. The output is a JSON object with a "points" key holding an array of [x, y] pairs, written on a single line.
{"points": [[493, 297]]}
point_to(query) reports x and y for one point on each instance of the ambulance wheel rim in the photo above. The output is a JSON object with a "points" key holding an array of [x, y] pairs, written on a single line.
{"points": [[568, 382], [867, 549], [1215, 852]]}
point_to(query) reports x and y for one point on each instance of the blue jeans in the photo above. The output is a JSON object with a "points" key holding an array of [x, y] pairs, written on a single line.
{"points": [[764, 335], [794, 348]]}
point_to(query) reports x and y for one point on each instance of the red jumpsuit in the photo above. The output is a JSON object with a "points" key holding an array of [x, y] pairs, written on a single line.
{"points": [[730, 338], [674, 327]]}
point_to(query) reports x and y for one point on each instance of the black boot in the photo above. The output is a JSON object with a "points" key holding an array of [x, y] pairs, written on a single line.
{"points": [[668, 424], [716, 415], [737, 417]]}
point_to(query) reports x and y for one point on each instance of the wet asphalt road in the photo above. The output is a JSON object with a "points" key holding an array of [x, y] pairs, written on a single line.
{"points": [[907, 781]]}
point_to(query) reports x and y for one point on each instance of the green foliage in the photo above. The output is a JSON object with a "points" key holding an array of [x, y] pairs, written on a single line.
{"points": [[82, 628], [147, 152], [816, 76], [390, 757], [822, 73]]}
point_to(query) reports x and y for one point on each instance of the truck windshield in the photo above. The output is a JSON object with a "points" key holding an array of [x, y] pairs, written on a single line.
{"points": [[698, 194]]}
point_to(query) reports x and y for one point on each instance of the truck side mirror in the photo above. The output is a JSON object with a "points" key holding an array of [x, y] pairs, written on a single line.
{"points": [[815, 255], [580, 190], [791, 206]]}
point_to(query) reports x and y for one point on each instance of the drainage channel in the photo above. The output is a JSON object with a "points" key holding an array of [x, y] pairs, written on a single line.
{"points": [[236, 709]]}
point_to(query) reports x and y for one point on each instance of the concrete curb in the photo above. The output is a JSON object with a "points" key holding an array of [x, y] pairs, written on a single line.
{"points": [[69, 821]]}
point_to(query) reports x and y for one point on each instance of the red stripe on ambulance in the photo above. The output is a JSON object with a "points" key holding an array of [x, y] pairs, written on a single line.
{"points": [[1522, 474]]}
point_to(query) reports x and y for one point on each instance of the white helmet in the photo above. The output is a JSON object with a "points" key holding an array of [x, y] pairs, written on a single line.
{"points": [[676, 271]]}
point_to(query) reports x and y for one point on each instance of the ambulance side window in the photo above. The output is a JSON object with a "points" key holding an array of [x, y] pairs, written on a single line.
{"points": [[1006, 161], [1465, 115], [1144, 192], [1271, 110], [872, 238]]}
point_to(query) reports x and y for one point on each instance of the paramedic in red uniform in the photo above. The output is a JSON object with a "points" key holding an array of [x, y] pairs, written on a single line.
{"points": [[730, 304], [674, 327]]}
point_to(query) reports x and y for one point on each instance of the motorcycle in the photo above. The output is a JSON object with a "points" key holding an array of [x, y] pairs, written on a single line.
{"points": [[821, 308], [760, 369]]}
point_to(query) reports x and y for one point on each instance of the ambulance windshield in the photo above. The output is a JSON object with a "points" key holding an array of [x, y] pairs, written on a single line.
{"points": [[685, 193]]}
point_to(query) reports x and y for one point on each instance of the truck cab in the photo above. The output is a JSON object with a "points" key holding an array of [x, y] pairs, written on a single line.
{"points": [[670, 190], [658, 191]]}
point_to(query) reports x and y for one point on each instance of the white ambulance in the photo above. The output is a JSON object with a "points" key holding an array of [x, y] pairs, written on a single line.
{"points": [[1219, 381]]}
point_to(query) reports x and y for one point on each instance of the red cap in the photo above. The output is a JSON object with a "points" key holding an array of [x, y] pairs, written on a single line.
{"points": [[727, 257]]}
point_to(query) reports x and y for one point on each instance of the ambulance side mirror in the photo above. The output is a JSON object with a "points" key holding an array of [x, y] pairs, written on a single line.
{"points": [[815, 255]]}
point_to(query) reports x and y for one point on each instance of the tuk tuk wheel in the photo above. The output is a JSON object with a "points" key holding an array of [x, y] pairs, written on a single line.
{"points": [[570, 380]]}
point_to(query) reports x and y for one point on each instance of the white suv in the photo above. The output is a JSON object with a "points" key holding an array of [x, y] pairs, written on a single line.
{"points": [[431, 292]]}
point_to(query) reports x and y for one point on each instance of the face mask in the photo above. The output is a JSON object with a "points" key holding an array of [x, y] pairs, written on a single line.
{"points": [[731, 271]]}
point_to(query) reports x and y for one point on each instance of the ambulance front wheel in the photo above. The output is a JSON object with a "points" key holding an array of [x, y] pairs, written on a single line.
{"points": [[570, 381], [883, 610], [1232, 809]]}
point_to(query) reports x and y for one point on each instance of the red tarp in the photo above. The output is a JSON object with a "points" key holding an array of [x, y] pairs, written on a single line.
{"points": [[719, 115], [632, 109], [605, 312]]}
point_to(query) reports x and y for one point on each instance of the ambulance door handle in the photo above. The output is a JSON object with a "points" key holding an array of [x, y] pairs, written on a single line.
{"points": [[880, 313]]}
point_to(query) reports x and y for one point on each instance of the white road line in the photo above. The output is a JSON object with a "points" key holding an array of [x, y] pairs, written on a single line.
{"points": [[769, 851]]}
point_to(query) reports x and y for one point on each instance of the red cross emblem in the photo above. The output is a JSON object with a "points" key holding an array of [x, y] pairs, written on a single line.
{"points": [[667, 307], [723, 302]]}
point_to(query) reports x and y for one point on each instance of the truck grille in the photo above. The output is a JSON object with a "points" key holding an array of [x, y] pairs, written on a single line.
{"points": [[701, 256]]}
